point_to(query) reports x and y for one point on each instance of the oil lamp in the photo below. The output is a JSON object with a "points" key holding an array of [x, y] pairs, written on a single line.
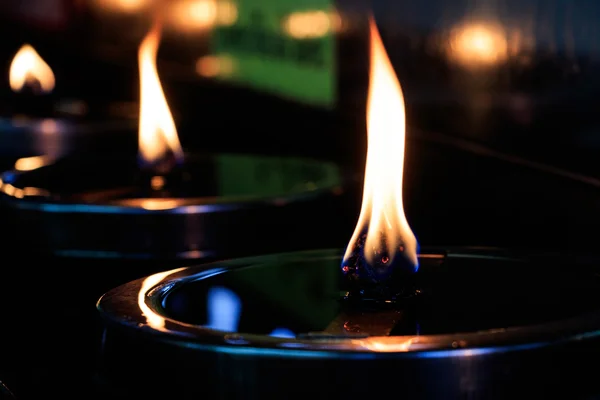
{"points": [[36, 121], [447, 322], [161, 202]]}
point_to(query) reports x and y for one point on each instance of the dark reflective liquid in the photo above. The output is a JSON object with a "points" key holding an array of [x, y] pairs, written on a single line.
{"points": [[117, 176], [461, 294]]}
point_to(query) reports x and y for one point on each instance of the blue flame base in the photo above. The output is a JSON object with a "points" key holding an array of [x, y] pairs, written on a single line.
{"points": [[386, 278]]}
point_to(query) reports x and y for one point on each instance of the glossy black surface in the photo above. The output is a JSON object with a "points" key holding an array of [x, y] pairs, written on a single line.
{"points": [[466, 293], [540, 107], [477, 311], [205, 208], [455, 193], [117, 179]]}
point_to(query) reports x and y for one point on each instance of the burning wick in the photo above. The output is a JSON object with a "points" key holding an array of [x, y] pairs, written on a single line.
{"points": [[383, 247], [159, 147]]}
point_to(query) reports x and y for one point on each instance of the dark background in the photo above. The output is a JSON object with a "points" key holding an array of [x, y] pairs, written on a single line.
{"points": [[502, 155]]}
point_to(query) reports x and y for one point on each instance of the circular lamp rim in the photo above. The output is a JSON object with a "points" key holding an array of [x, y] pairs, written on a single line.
{"points": [[120, 307]]}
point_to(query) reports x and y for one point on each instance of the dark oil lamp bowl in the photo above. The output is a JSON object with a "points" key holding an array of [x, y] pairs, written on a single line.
{"points": [[34, 123], [481, 323], [104, 205]]}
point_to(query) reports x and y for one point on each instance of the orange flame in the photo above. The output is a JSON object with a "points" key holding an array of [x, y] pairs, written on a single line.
{"points": [[157, 131], [382, 211], [29, 69]]}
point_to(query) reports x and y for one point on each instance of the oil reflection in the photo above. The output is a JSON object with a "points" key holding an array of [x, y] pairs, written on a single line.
{"points": [[241, 175], [238, 180], [124, 6], [159, 204], [31, 163], [283, 333], [48, 136], [386, 345], [153, 319], [51, 139], [224, 309], [24, 164]]}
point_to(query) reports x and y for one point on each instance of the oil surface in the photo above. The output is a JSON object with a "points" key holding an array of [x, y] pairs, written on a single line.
{"points": [[464, 293]]}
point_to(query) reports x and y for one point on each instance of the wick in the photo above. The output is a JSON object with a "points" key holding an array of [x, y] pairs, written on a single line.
{"points": [[32, 85], [163, 175], [162, 166]]}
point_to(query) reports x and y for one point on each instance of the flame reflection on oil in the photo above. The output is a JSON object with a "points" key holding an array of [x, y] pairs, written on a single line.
{"points": [[31, 163], [125, 6], [29, 69], [382, 210], [51, 135], [381, 346], [224, 309], [282, 333], [153, 319]]}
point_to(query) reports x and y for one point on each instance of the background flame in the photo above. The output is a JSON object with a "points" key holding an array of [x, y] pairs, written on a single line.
{"points": [[309, 24], [382, 211], [157, 131], [28, 68], [479, 44]]}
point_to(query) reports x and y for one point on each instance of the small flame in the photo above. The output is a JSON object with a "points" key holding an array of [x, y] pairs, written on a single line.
{"points": [[157, 131], [382, 211], [29, 69], [283, 333]]}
